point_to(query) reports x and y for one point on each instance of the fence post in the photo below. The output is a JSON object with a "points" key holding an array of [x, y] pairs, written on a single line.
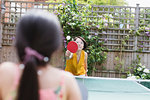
{"points": [[136, 23], [2, 11]]}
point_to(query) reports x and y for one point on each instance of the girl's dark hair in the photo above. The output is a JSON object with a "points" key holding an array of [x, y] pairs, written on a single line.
{"points": [[40, 31], [85, 43]]}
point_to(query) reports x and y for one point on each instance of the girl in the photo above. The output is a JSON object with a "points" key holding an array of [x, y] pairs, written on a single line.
{"points": [[37, 38]]}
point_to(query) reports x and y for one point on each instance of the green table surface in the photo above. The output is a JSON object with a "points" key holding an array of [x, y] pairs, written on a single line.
{"points": [[114, 89]]}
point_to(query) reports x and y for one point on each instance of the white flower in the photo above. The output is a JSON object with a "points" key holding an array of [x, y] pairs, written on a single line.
{"points": [[129, 75], [105, 24], [110, 16], [87, 51], [111, 20], [121, 25], [139, 68], [68, 37], [116, 13], [128, 26], [140, 64], [146, 28], [132, 77], [100, 16], [89, 37], [105, 20], [143, 66], [146, 70], [104, 32]]}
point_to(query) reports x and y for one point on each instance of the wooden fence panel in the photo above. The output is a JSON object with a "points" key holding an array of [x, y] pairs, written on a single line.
{"points": [[127, 58], [8, 53], [57, 59]]}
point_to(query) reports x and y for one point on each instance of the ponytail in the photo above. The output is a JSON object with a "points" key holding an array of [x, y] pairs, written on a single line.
{"points": [[33, 52], [28, 88]]}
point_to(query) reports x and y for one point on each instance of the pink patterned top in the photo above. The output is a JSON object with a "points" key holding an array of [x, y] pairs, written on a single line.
{"points": [[45, 94]]}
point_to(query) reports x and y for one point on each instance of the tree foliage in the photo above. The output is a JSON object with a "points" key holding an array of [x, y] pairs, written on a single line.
{"points": [[97, 2], [104, 2]]}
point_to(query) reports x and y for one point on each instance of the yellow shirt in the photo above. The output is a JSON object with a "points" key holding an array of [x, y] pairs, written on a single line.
{"points": [[76, 68]]}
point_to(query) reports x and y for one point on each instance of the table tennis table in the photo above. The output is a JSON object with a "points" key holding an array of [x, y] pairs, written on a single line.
{"points": [[114, 89]]}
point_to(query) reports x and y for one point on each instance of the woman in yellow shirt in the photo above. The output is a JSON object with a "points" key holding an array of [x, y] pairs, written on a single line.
{"points": [[76, 63]]}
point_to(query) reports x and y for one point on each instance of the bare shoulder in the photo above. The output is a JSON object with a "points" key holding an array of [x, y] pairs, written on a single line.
{"points": [[64, 73], [69, 78], [67, 75], [7, 71], [7, 66], [69, 82]]}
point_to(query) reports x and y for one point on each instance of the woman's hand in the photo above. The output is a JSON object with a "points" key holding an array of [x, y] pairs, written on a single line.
{"points": [[68, 53], [86, 74]]}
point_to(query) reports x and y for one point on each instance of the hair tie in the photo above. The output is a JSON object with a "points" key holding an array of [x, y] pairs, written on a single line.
{"points": [[30, 52]]}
